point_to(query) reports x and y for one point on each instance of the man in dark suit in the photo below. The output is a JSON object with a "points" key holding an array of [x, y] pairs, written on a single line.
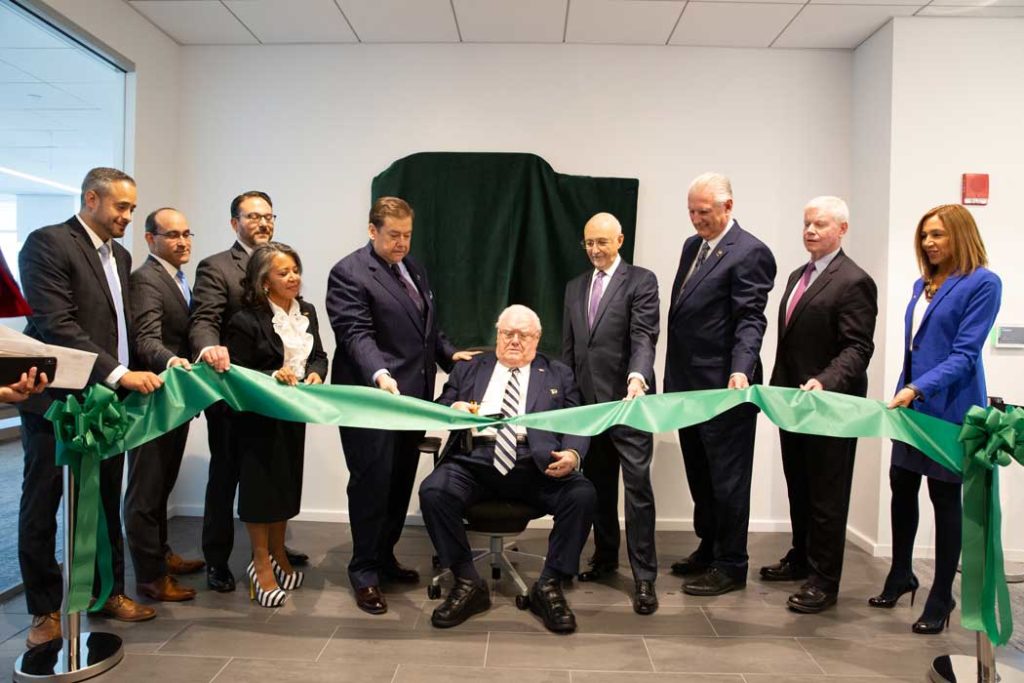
{"points": [[385, 322], [538, 467], [160, 299], [609, 331], [75, 278], [826, 324], [715, 326], [216, 297]]}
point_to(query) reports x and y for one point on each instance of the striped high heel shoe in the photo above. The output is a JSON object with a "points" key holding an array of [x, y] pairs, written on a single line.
{"points": [[287, 581], [265, 598]]}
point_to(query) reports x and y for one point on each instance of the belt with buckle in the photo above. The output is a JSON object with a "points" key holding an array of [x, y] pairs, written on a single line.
{"points": [[489, 439]]}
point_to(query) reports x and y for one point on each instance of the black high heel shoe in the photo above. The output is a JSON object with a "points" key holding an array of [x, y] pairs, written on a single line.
{"points": [[891, 595], [926, 626]]}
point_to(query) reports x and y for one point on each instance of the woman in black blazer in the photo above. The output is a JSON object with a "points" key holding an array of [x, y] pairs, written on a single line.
{"points": [[276, 333]]}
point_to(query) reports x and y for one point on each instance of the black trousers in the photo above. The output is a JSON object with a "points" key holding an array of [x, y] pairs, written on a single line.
{"points": [[719, 456], [819, 473], [945, 497], [462, 480], [152, 471], [630, 450], [41, 491], [381, 472], [221, 484]]}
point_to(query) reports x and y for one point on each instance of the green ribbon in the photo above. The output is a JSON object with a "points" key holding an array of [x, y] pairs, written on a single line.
{"points": [[991, 439], [103, 426]]}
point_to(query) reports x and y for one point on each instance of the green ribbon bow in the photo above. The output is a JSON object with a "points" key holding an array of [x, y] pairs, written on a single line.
{"points": [[991, 439]]}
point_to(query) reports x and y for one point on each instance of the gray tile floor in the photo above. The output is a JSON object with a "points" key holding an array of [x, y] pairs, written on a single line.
{"points": [[320, 635]]}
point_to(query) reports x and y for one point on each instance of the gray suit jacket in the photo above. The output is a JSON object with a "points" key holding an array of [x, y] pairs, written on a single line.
{"points": [[623, 337], [160, 317], [216, 296]]}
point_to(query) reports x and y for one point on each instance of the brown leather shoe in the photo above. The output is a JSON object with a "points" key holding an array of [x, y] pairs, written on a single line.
{"points": [[45, 627], [369, 599], [165, 589], [178, 565], [123, 608]]}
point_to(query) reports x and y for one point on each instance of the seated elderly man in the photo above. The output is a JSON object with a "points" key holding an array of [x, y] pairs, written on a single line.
{"points": [[510, 463]]}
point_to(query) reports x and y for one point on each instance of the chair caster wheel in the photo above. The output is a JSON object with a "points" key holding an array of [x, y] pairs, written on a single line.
{"points": [[496, 573], [434, 592], [435, 562], [523, 601]]}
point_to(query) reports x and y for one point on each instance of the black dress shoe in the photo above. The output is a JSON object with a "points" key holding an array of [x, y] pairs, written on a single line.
{"points": [[690, 566], [220, 578], [811, 599], [930, 624], [296, 558], [548, 602], [467, 597], [396, 573], [784, 570], [713, 582], [598, 571], [369, 599], [645, 600]]}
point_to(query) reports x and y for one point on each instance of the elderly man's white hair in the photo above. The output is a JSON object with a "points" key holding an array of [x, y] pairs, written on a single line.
{"points": [[833, 206], [718, 184], [519, 309]]}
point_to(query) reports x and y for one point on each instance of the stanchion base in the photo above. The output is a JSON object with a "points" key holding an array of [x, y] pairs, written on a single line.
{"points": [[964, 669], [97, 653]]}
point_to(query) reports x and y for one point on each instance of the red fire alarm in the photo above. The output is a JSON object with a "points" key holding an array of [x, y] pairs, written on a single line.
{"points": [[975, 188]]}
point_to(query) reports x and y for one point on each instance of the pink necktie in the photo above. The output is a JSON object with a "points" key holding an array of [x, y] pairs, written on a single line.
{"points": [[801, 286], [595, 297]]}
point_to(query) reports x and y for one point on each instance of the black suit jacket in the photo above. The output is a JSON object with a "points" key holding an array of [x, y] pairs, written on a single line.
{"points": [[377, 325], [160, 317], [829, 335], [253, 343], [624, 335], [64, 283], [216, 296], [717, 324], [551, 387]]}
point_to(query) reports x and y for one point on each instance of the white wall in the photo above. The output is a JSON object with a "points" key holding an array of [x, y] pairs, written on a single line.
{"points": [[313, 124]]}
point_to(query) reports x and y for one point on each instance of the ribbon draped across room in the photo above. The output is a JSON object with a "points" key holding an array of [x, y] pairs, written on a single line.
{"points": [[100, 425]]}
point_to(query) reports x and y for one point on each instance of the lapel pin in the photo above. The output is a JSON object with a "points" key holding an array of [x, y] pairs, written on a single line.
{"points": [[719, 253], [554, 391]]}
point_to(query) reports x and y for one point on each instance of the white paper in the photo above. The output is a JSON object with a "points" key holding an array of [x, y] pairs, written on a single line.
{"points": [[73, 366]]}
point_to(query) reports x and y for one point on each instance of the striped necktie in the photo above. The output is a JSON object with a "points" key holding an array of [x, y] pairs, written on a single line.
{"points": [[505, 441]]}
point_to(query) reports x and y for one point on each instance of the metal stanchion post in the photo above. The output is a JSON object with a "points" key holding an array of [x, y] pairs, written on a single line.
{"points": [[79, 654]]}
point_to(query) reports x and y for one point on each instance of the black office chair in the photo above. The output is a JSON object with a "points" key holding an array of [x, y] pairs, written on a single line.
{"points": [[496, 519]]}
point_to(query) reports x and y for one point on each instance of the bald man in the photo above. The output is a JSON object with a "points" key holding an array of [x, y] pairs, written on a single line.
{"points": [[609, 331]]}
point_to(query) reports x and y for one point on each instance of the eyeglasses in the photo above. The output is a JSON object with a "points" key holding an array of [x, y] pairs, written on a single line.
{"points": [[175, 236], [257, 217], [509, 335], [590, 244]]}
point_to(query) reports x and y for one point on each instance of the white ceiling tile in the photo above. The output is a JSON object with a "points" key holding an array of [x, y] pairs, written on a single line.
{"points": [[293, 21], [732, 24], [977, 3], [642, 22], [838, 26], [511, 21], [401, 21], [195, 22], [910, 3], [1002, 12]]}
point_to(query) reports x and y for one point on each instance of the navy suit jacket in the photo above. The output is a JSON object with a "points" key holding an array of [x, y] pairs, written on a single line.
{"points": [[717, 323], [624, 335], [551, 387], [377, 325]]}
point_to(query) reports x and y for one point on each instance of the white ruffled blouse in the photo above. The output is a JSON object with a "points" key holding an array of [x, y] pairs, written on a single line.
{"points": [[291, 327]]}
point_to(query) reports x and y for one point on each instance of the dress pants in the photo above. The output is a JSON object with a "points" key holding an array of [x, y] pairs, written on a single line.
{"points": [[152, 471], [819, 473], [945, 497], [41, 492], [719, 456], [381, 472], [631, 450], [462, 480], [221, 484]]}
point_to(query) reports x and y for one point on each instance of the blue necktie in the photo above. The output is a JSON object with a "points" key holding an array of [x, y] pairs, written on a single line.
{"points": [[183, 286], [115, 293]]}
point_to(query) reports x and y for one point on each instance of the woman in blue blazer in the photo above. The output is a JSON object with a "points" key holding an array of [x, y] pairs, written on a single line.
{"points": [[949, 317]]}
